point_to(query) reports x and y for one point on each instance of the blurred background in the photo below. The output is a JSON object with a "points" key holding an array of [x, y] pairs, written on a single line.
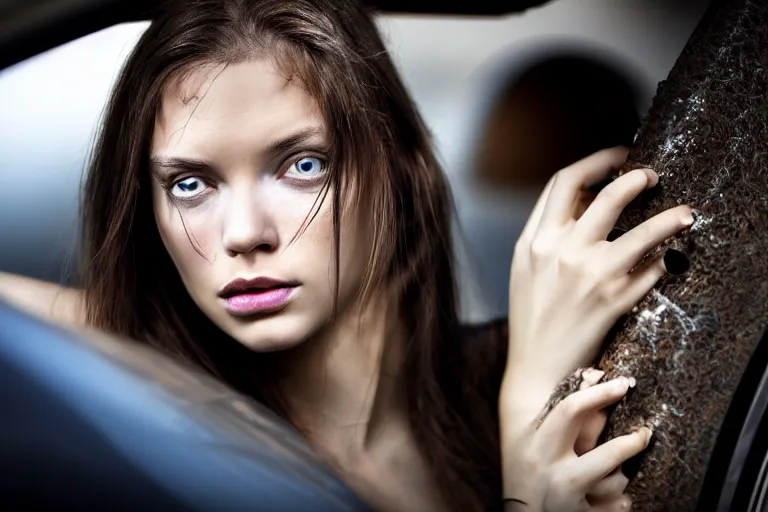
{"points": [[509, 99]]}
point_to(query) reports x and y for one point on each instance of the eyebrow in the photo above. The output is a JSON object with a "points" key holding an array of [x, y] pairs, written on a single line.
{"points": [[282, 146], [173, 162], [274, 149]]}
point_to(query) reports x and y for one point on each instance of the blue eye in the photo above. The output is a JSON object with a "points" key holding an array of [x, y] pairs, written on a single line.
{"points": [[188, 188], [308, 166]]}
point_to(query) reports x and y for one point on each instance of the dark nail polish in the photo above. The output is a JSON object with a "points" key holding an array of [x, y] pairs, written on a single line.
{"points": [[676, 262]]}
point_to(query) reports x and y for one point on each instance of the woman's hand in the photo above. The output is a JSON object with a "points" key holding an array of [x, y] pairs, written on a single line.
{"points": [[556, 466], [568, 284]]}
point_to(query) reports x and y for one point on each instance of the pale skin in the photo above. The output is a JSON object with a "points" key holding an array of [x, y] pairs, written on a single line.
{"points": [[230, 195]]}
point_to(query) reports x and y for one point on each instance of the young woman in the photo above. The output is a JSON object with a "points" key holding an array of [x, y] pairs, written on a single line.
{"points": [[263, 200]]}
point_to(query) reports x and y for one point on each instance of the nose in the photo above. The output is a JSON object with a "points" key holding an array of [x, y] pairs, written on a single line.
{"points": [[248, 224]]}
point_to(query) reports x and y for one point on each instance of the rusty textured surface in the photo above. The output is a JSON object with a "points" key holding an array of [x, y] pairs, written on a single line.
{"points": [[689, 341]]}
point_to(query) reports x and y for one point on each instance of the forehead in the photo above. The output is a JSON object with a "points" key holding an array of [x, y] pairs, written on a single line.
{"points": [[217, 109]]}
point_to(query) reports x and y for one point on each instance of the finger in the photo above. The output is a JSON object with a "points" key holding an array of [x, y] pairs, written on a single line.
{"points": [[593, 426], [569, 183], [602, 214], [590, 433], [633, 245], [535, 217], [609, 489], [563, 425], [639, 283], [597, 464], [622, 504]]}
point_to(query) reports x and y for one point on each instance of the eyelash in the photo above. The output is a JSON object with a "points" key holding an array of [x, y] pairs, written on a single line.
{"points": [[175, 178], [304, 182], [186, 200]]}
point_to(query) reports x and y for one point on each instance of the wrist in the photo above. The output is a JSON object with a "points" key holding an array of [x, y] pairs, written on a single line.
{"points": [[544, 374], [524, 395]]}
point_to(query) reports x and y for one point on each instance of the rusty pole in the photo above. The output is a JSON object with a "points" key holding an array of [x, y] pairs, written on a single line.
{"points": [[690, 341]]}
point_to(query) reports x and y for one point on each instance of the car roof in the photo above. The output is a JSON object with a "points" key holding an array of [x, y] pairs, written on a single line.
{"points": [[29, 27]]}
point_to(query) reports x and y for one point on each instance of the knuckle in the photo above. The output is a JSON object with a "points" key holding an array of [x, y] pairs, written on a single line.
{"points": [[565, 177], [591, 273], [627, 447], [609, 196], [635, 180], [522, 246], [610, 205], [668, 220], [564, 482], [604, 393], [540, 248], [645, 231], [613, 197], [603, 290], [572, 261]]}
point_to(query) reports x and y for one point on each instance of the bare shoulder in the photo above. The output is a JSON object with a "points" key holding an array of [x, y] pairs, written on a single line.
{"points": [[50, 301]]}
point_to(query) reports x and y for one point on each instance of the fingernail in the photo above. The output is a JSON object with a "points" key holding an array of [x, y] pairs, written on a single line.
{"points": [[647, 433], [653, 178], [687, 219], [620, 382], [592, 375], [632, 382], [676, 262], [626, 504]]}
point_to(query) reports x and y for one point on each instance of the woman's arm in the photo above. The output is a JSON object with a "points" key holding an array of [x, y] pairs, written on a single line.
{"points": [[43, 299]]}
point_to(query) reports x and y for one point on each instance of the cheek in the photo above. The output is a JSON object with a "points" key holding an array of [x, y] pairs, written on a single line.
{"points": [[187, 235], [355, 250], [312, 248], [314, 251]]}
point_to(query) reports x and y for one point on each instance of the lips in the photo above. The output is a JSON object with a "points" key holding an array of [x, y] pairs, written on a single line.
{"points": [[258, 284], [259, 295]]}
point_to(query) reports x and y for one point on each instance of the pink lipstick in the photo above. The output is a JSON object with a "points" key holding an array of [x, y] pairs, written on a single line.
{"points": [[259, 295]]}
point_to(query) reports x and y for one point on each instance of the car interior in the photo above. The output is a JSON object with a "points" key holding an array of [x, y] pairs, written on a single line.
{"points": [[511, 91]]}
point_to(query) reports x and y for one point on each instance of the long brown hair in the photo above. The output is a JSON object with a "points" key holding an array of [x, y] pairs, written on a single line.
{"points": [[333, 48]]}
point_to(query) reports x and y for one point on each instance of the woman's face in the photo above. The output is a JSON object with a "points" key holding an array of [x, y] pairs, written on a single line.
{"points": [[238, 157]]}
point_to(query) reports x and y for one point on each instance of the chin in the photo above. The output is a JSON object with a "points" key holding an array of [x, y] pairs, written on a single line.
{"points": [[270, 334]]}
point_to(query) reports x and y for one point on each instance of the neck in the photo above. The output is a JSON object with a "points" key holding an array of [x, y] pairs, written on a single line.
{"points": [[343, 386]]}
